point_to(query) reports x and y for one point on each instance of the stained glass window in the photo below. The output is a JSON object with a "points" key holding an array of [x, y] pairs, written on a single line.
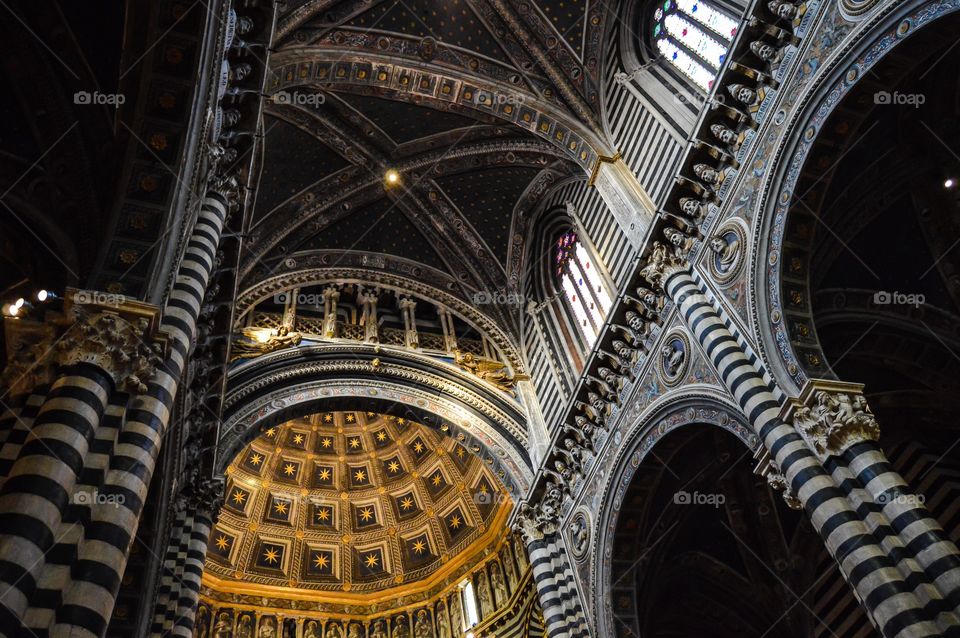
{"points": [[694, 37], [583, 286]]}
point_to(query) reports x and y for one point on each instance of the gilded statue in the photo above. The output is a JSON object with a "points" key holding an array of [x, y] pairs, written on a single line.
{"points": [[489, 370], [259, 341]]}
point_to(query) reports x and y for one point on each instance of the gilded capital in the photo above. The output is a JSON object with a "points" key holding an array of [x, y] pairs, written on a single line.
{"points": [[831, 416], [119, 336]]}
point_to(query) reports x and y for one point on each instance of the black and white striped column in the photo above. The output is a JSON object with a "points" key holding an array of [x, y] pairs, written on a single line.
{"points": [[899, 606], [16, 424], [88, 600], [562, 612], [41, 482], [182, 570], [921, 534]]}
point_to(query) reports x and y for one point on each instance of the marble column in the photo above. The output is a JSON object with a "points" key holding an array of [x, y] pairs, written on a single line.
{"points": [[899, 603]]}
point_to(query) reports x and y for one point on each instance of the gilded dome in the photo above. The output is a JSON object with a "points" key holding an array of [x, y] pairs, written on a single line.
{"points": [[356, 503]]}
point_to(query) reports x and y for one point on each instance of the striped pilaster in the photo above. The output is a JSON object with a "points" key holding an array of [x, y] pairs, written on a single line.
{"points": [[562, 612], [169, 588], [89, 598], [199, 528], [922, 535], [891, 601], [41, 481]]}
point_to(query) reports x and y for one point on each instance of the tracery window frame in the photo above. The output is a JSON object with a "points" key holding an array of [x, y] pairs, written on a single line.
{"points": [[692, 36], [579, 280]]}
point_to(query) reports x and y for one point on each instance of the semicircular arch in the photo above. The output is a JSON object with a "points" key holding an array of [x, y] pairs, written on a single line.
{"points": [[792, 348], [695, 405], [293, 383]]}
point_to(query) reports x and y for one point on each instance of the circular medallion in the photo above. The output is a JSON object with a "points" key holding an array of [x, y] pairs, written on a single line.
{"points": [[674, 357], [726, 255], [579, 534]]}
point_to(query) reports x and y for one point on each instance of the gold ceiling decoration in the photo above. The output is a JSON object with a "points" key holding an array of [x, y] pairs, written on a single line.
{"points": [[362, 506]]}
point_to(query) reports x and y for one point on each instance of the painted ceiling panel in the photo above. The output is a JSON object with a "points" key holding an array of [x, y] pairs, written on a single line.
{"points": [[567, 18], [379, 228], [450, 22], [487, 199], [286, 173], [406, 122]]}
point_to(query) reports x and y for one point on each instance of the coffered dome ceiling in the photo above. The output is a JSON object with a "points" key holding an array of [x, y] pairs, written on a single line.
{"points": [[357, 504]]}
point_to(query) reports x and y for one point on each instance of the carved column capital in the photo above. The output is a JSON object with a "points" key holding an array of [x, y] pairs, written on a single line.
{"points": [[526, 525], [534, 521], [662, 262], [831, 416], [117, 335]]}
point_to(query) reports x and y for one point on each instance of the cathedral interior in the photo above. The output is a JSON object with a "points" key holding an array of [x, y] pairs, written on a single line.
{"points": [[480, 319]]}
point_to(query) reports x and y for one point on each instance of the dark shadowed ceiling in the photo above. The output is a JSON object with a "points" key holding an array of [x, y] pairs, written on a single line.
{"points": [[479, 105]]}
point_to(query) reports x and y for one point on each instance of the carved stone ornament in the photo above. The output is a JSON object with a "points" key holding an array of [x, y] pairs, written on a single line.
{"points": [[767, 468], [533, 522], [662, 263], [117, 335], [579, 530], [831, 416]]}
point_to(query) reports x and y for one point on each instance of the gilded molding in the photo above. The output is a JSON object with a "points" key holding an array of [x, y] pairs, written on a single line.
{"points": [[314, 273]]}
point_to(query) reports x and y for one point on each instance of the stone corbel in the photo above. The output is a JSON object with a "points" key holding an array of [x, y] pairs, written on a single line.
{"points": [[767, 468], [831, 416]]}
